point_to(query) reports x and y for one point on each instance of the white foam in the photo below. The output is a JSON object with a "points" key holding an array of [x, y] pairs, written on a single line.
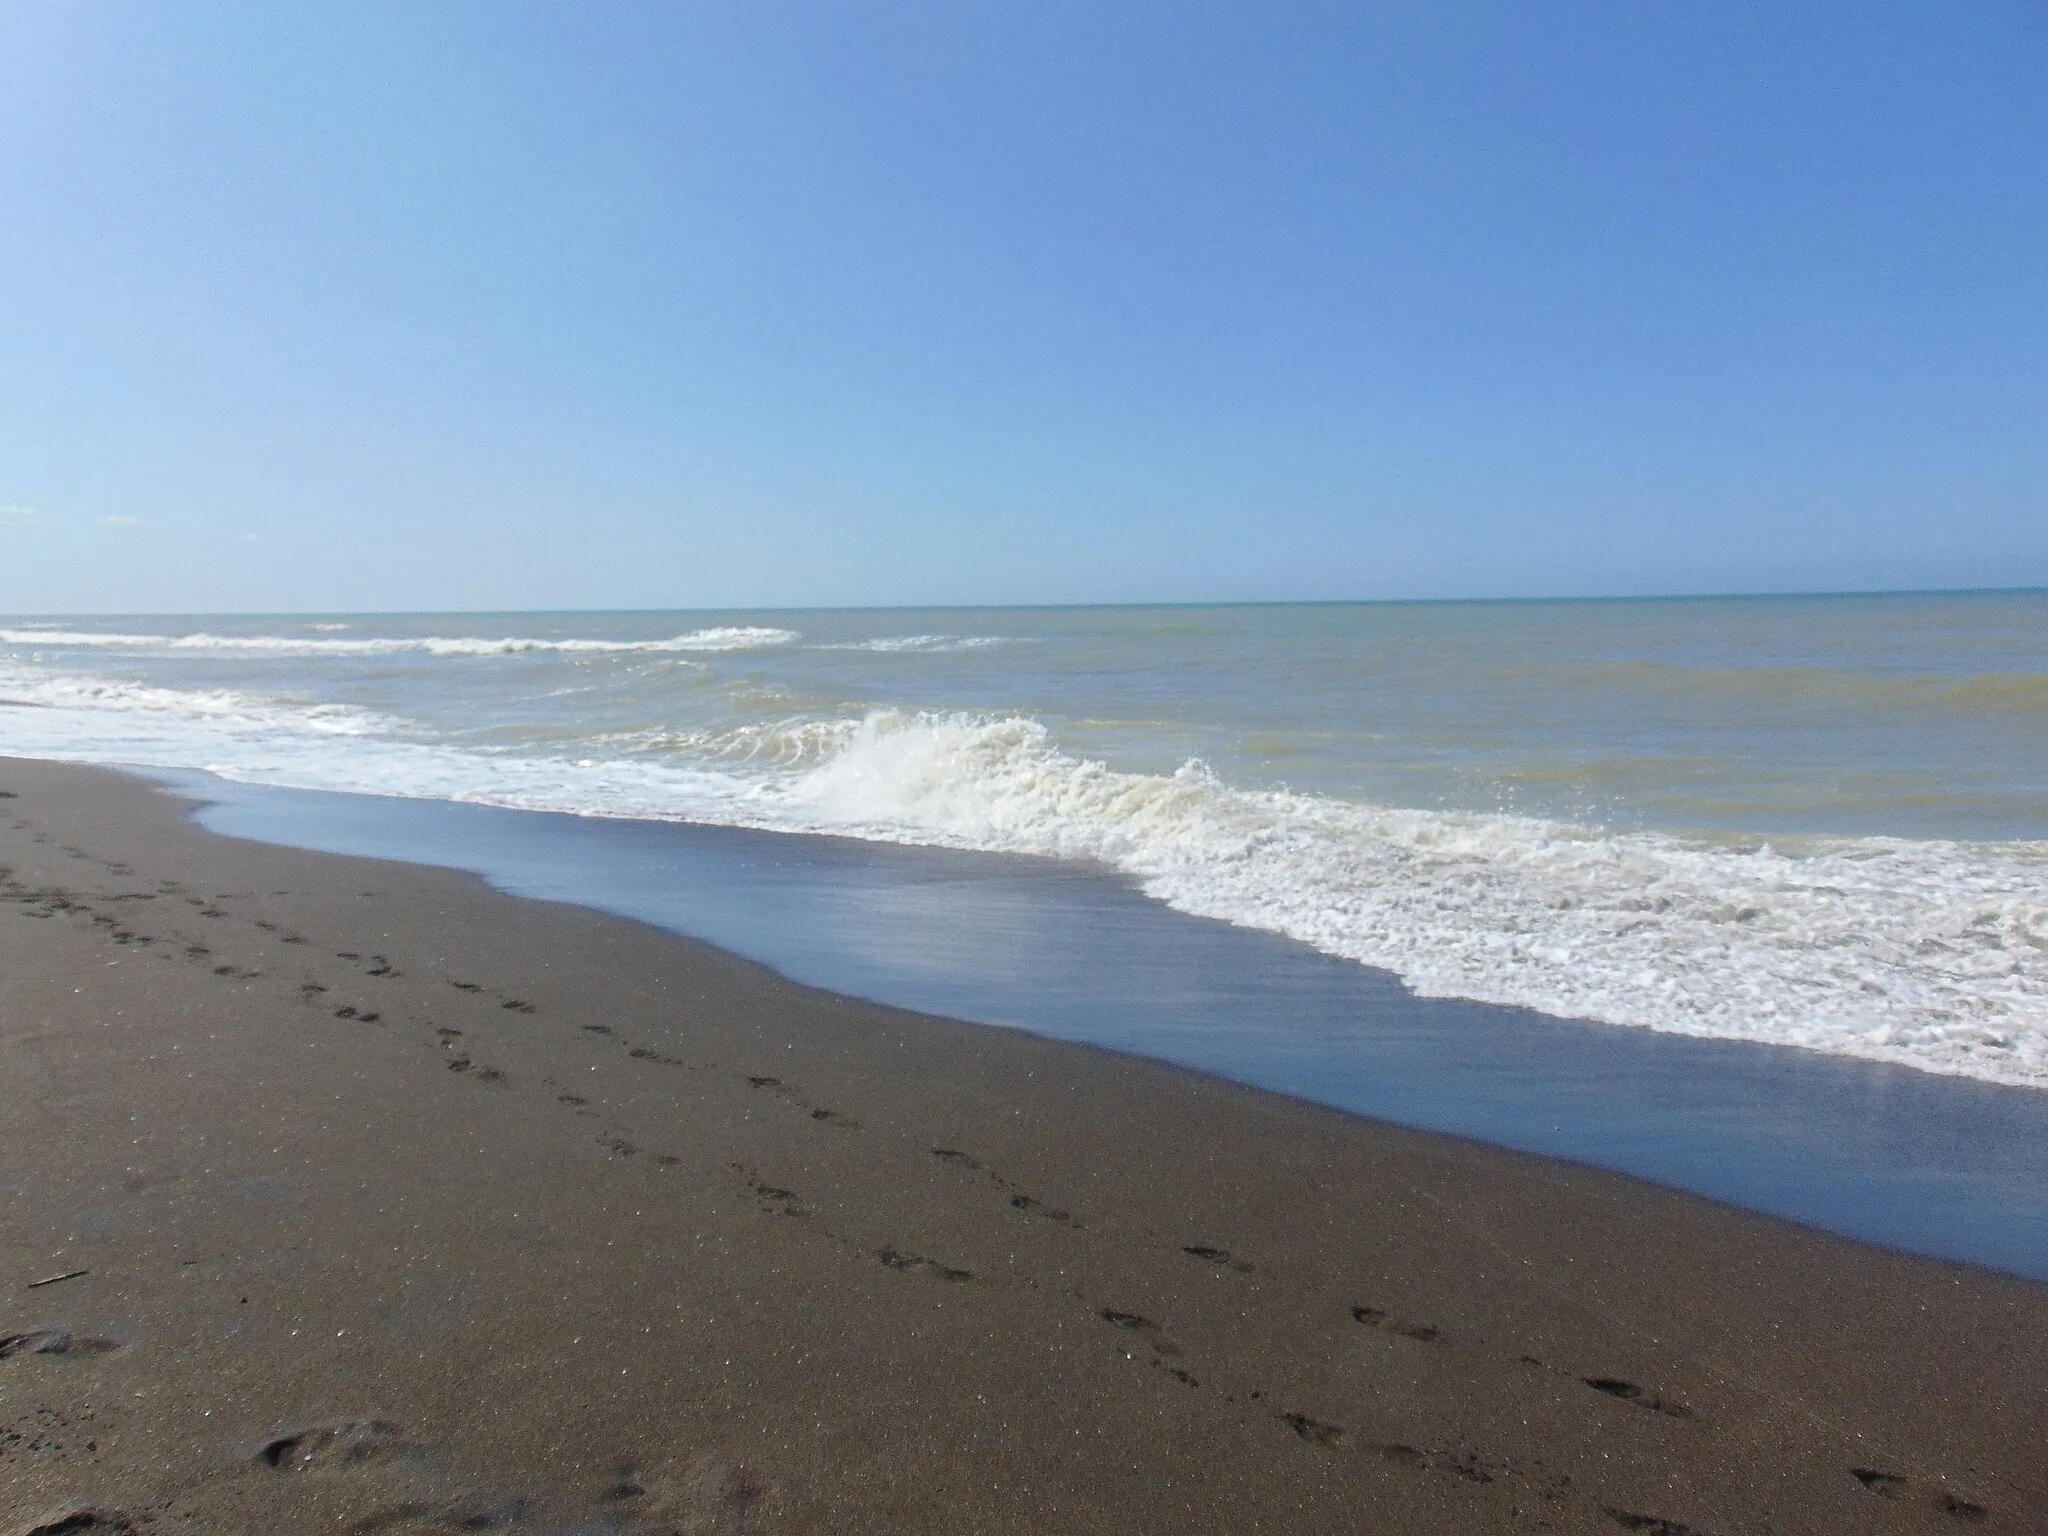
{"points": [[895, 643], [1924, 953], [80, 703], [720, 638]]}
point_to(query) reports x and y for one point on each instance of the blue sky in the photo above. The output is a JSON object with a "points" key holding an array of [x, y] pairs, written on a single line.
{"points": [[501, 305]]}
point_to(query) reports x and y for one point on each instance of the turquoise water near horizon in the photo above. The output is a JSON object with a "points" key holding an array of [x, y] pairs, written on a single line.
{"points": [[1808, 821]]}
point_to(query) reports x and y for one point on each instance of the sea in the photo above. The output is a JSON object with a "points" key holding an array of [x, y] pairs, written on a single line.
{"points": [[1802, 835]]}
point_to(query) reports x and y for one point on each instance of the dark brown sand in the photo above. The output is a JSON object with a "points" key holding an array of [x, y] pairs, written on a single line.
{"points": [[393, 1204]]}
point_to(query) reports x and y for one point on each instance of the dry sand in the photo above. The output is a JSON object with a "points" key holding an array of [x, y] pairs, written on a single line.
{"points": [[390, 1203]]}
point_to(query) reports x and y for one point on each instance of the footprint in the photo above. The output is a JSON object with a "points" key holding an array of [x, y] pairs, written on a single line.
{"points": [[950, 1155], [1222, 1256], [1890, 1485], [911, 1263], [55, 1341], [772, 1197], [466, 986], [85, 1522], [642, 1053], [1314, 1431], [833, 1117], [1133, 1322], [518, 1005], [1373, 1317], [344, 1443], [1642, 1397], [1038, 1207], [1629, 1520]]}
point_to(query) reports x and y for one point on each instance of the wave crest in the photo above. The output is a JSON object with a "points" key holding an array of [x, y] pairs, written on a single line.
{"points": [[717, 638], [1932, 954]]}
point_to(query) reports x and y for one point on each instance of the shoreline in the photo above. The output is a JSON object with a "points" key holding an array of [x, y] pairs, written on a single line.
{"points": [[401, 1203], [1930, 1163]]}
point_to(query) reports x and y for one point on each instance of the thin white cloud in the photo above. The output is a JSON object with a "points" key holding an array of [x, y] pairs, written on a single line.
{"points": [[121, 520], [17, 511]]}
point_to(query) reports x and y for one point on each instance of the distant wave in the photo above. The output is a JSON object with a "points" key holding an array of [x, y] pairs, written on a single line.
{"points": [[888, 643], [1925, 953], [723, 638]]}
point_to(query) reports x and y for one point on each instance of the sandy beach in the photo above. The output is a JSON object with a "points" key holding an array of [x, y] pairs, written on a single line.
{"points": [[354, 1196]]}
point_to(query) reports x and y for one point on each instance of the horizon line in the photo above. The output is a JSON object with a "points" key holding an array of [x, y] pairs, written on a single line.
{"points": [[1309, 602]]}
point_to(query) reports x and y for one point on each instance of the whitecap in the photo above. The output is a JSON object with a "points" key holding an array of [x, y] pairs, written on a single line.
{"points": [[719, 638]]}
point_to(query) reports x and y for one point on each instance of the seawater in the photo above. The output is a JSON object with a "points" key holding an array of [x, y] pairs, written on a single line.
{"points": [[1810, 822]]}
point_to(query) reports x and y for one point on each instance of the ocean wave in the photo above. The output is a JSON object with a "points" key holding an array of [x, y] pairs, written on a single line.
{"points": [[897, 643], [1932, 954], [719, 638], [228, 713], [1925, 953]]}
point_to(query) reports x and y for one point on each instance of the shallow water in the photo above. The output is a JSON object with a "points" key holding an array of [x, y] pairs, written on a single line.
{"points": [[1811, 821], [1935, 1164]]}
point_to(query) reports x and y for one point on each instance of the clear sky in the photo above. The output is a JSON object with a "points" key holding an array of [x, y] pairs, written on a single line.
{"points": [[612, 305]]}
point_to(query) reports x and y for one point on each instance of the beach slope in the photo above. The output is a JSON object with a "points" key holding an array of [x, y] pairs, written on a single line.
{"points": [[344, 1195]]}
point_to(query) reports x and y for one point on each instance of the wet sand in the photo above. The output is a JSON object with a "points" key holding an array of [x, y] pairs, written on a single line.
{"points": [[386, 1202]]}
